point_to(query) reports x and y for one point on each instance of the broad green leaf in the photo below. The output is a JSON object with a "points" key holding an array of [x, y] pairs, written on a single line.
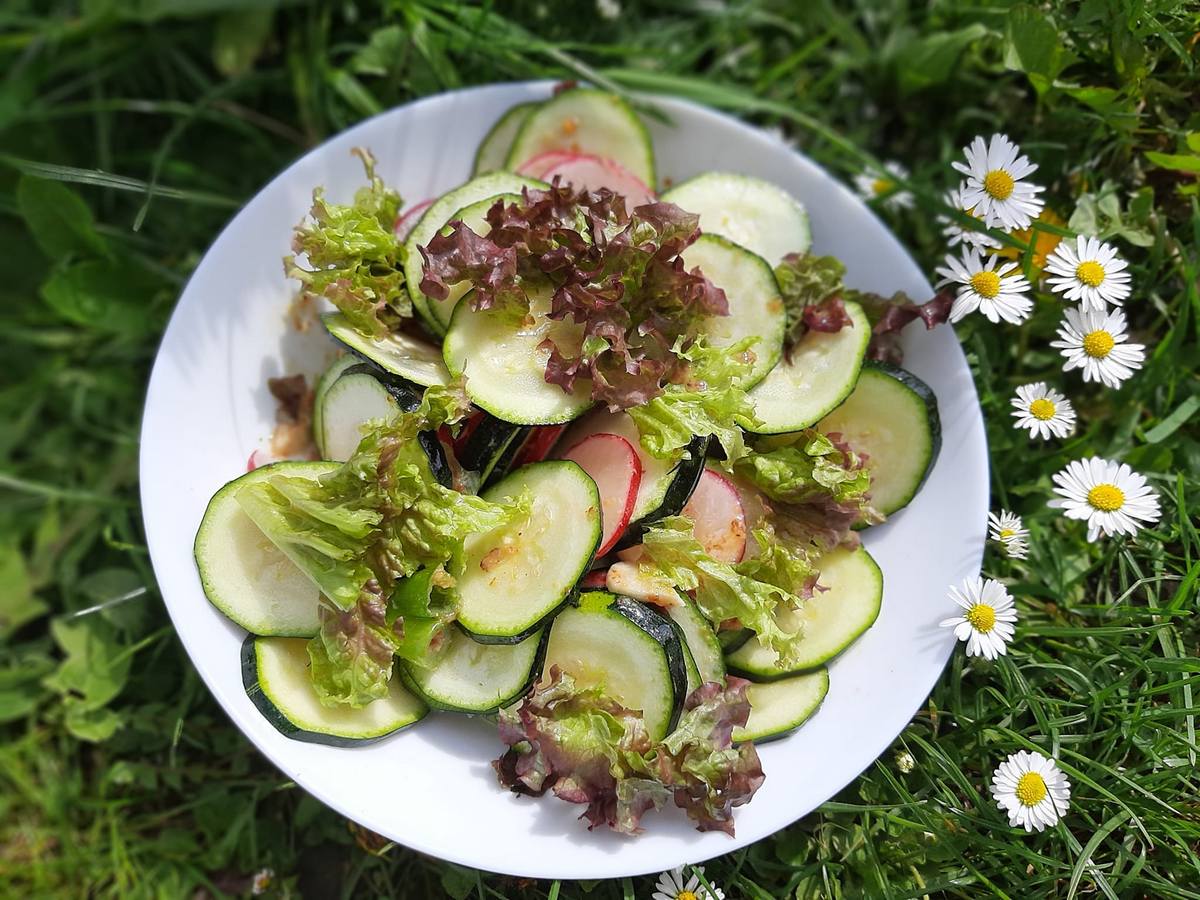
{"points": [[18, 604], [96, 664], [1032, 45], [107, 296], [239, 40], [1180, 162], [58, 219], [382, 53], [90, 723], [931, 60]]}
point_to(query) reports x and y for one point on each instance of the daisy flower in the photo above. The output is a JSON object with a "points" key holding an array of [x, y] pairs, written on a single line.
{"points": [[1096, 342], [1032, 790], [1010, 532], [1090, 272], [993, 291], [957, 234], [988, 616], [1112, 497], [1043, 410], [873, 187], [671, 886], [994, 187]]}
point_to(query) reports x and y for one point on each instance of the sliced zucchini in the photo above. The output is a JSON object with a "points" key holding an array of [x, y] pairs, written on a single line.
{"points": [[517, 576], [585, 120], [821, 373], [666, 484], [892, 417], [633, 652], [401, 354], [732, 638], [275, 673], [502, 357], [471, 677], [700, 640], [755, 214], [829, 622], [755, 307], [781, 707], [244, 574], [324, 383], [491, 447], [689, 664], [363, 393], [474, 216], [493, 149], [440, 212]]}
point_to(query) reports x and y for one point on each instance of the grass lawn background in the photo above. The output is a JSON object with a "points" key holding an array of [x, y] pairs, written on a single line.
{"points": [[131, 131]]}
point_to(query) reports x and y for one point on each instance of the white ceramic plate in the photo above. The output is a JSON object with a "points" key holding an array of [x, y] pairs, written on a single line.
{"points": [[432, 788]]}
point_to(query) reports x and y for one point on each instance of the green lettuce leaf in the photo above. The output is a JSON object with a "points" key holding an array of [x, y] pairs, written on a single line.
{"points": [[724, 591], [589, 749], [353, 258], [708, 400], [352, 654]]}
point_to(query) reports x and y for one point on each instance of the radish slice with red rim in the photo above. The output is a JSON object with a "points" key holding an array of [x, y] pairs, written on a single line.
{"points": [[407, 219], [613, 464], [536, 166], [592, 172], [539, 444], [718, 517], [595, 580]]}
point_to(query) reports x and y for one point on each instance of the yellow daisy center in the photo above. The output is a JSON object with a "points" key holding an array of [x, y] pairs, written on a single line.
{"points": [[986, 283], [1090, 273], [882, 186], [1098, 344], [1006, 533], [1106, 497], [982, 617], [998, 184], [1031, 789], [1041, 408], [685, 895]]}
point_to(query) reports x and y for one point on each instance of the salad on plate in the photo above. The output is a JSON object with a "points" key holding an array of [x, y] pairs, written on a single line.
{"points": [[592, 464]]}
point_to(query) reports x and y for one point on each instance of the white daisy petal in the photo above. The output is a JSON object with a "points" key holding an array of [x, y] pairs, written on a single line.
{"points": [[1032, 790], [882, 186], [986, 625], [996, 291], [1008, 530], [1043, 411], [1090, 273], [1112, 498], [1096, 342]]}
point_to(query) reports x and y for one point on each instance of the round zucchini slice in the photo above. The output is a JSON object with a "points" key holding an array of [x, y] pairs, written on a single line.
{"points": [[700, 639], [517, 576], [585, 120], [400, 354], [470, 677], [829, 622], [821, 373], [755, 307], [892, 417], [627, 648], [493, 149], [780, 707], [755, 214], [324, 383], [275, 673], [244, 574]]}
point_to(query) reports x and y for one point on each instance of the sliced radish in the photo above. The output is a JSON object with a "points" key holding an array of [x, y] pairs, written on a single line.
{"points": [[539, 444], [718, 518], [592, 172], [257, 458], [407, 219], [617, 471], [469, 424], [629, 580], [536, 166], [595, 580]]}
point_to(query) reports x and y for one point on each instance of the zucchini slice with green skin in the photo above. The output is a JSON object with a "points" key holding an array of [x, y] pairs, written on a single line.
{"points": [[401, 354], [502, 357], [892, 417], [324, 383], [493, 149], [830, 620], [491, 447], [780, 707], [474, 216], [733, 638], [666, 484], [755, 214], [244, 574], [586, 120], [362, 393], [629, 649], [689, 663], [275, 673], [700, 639], [439, 214], [517, 576], [470, 677], [821, 373], [755, 306]]}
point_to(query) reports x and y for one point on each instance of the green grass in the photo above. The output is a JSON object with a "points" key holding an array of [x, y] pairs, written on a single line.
{"points": [[120, 776]]}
